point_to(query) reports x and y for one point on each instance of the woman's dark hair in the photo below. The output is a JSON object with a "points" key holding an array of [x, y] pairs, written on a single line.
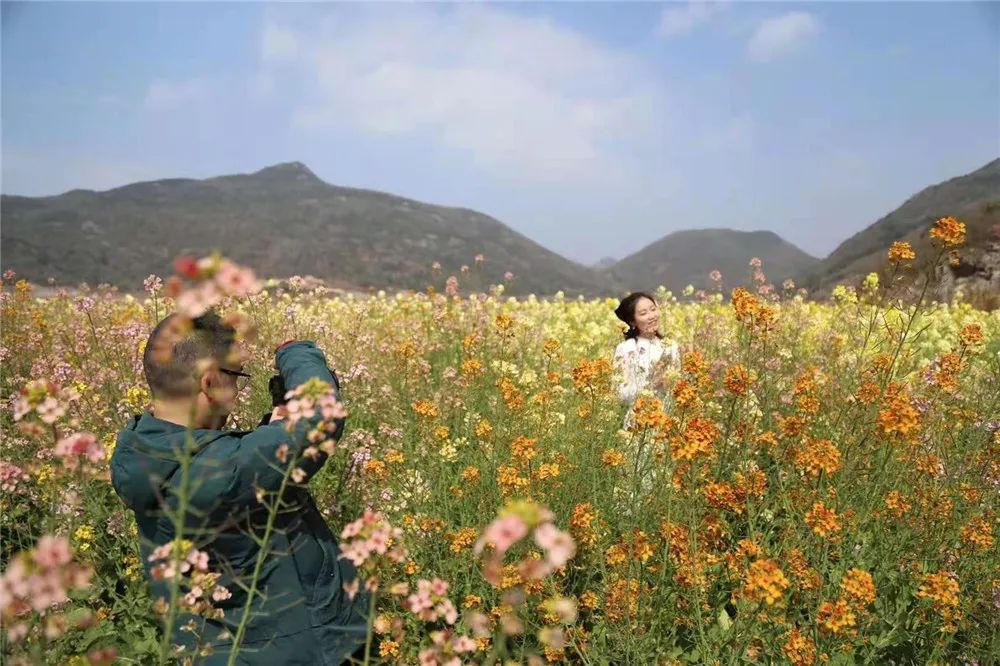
{"points": [[626, 312]]}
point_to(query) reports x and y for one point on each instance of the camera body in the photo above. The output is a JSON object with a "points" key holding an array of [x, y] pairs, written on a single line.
{"points": [[276, 387]]}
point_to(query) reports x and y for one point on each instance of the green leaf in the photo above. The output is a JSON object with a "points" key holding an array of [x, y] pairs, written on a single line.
{"points": [[724, 620]]}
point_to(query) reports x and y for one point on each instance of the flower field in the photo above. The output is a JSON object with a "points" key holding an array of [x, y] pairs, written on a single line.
{"points": [[819, 484]]}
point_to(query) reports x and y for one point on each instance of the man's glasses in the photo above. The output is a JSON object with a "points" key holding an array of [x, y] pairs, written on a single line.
{"points": [[242, 378]]}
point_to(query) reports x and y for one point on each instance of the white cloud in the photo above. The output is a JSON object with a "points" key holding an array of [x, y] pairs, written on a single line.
{"points": [[679, 20], [164, 95], [781, 35], [522, 97]]}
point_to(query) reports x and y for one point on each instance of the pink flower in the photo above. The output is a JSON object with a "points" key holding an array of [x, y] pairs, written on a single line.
{"points": [[52, 551], [755, 263], [439, 587], [17, 631], [451, 286], [715, 276], [508, 276], [50, 410], [352, 588], [152, 285], [80, 445], [463, 644], [198, 559], [448, 611], [221, 594], [236, 281], [194, 302], [503, 533], [298, 475], [559, 545]]}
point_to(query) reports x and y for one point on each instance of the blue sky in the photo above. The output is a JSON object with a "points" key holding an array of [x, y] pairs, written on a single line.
{"points": [[592, 128]]}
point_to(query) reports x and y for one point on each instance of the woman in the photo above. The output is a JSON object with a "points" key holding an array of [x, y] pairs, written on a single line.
{"points": [[643, 347]]}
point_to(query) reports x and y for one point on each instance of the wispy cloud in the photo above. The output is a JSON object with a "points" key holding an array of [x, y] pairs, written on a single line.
{"points": [[679, 20], [781, 35], [164, 95], [522, 97]]}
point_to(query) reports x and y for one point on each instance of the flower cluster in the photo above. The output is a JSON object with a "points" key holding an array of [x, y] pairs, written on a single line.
{"points": [[208, 281], [514, 523], [369, 542], [39, 582]]}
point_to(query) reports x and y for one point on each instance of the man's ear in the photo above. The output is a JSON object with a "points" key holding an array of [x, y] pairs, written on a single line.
{"points": [[207, 382]]}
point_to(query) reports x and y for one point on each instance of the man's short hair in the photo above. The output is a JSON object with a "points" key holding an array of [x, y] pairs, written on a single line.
{"points": [[175, 348]]}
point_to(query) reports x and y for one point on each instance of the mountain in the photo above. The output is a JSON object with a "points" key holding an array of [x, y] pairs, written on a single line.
{"points": [[688, 257], [603, 263], [281, 221], [865, 251]]}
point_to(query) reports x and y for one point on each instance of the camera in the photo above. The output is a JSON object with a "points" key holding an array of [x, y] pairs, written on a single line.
{"points": [[276, 387]]}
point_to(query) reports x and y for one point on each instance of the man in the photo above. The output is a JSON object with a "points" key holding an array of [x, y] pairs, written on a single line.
{"points": [[300, 613]]}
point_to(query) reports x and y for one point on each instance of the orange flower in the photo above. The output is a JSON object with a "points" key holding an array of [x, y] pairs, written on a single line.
{"points": [[897, 504], [978, 533], [462, 539], [898, 416], [724, 496], [582, 524], [822, 520], [971, 335], [765, 582], [470, 474], [505, 324], [612, 458], [818, 456], [593, 376], [685, 394], [949, 231], [745, 304], [737, 380], [589, 600], [858, 586], [901, 251], [425, 409], [868, 393], [836, 617], [472, 367], [799, 649], [483, 429], [523, 449], [388, 648], [942, 590], [698, 440]]}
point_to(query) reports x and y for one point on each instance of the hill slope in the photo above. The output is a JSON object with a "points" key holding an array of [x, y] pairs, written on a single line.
{"points": [[865, 251], [281, 221]]}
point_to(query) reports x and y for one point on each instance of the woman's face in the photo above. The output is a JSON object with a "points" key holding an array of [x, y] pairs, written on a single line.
{"points": [[646, 317]]}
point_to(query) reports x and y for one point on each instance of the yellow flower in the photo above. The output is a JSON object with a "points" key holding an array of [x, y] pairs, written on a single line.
{"points": [[84, 535]]}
